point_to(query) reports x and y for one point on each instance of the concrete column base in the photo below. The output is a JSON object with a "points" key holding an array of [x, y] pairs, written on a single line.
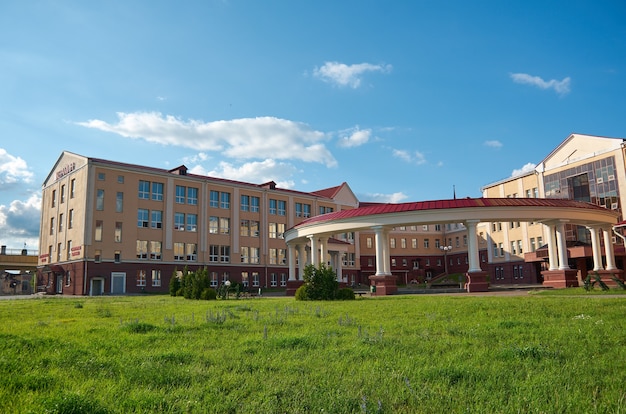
{"points": [[292, 286], [560, 278], [385, 285], [477, 282]]}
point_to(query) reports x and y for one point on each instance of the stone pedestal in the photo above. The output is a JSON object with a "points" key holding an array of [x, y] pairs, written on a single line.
{"points": [[560, 278], [477, 282], [385, 285], [292, 286]]}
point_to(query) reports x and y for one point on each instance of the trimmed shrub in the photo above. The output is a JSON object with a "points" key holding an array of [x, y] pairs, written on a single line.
{"points": [[321, 283], [345, 294], [208, 294], [175, 284], [301, 293]]}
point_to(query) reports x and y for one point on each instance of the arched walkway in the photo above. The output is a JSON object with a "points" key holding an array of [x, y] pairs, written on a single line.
{"points": [[314, 232]]}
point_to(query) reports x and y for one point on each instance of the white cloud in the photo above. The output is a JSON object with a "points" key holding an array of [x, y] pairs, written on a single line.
{"points": [[354, 137], [252, 172], [19, 223], [246, 138], [561, 87], [493, 144], [415, 157], [525, 169], [347, 75], [384, 198], [13, 170]]}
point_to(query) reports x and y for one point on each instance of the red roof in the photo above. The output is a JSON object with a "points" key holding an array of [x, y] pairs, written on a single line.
{"points": [[373, 209]]}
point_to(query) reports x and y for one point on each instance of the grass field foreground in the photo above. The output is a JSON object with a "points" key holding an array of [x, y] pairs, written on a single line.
{"points": [[405, 354]]}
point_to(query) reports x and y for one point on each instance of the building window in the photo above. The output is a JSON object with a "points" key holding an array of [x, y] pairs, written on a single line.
{"points": [[214, 253], [63, 194], [54, 198], [100, 200], [142, 249], [457, 242], [144, 190], [245, 254], [101, 176], [465, 240], [68, 252], [72, 188], [532, 244], [255, 279], [60, 222], [117, 256], [392, 243], [179, 221], [306, 210], [70, 219], [513, 250], [403, 243], [192, 252], [283, 280], [273, 204], [225, 200], [180, 194], [156, 278], [213, 279], [254, 255], [244, 228], [120, 179], [501, 246], [273, 280], [225, 254], [282, 207], [213, 225], [98, 233], [157, 191], [179, 251], [255, 202], [97, 256], [142, 217], [141, 278], [414, 243], [214, 199], [224, 225], [495, 250], [157, 219], [119, 202], [519, 247], [244, 279], [368, 242], [225, 277], [245, 203], [155, 250], [539, 242], [192, 196], [192, 222], [118, 231], [437, 243], [426, 243]]}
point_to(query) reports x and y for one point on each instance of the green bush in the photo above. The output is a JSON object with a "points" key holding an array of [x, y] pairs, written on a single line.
{"points": [[321, 283], [345, 294], [208, 294], [175, 284], [301, 293]]}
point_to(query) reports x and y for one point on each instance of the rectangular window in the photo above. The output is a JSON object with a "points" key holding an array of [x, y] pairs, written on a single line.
{"points": [[60, 222], [306, 210], [513, 244], [244, 279], [214, 253], [224, 225], [143, 217], [254, 228], [255, 279], [155, 250], [179, 221], [73, 188], [156, 278], [403, 243], [118, 231], [54, 198], [214, 278], [244, 228], [392, 243], [101, 176], [495, 250], [298, 209], [225, 200], [437, 243], [245, 254], [245, 203], [98, 233], [157, 191], [501, 247], [214, 199], [192, 196], [225, 254], [68, 251], [100, 200], [179, 251], [368, 242], [120, 179], [273, 256], [97, 256], [157, 219], [117, 256], [213, 225], [272, 232], [180, 194], [192, 252], [426, 243], [141, 278], [273, 204], [539, 242], [273, 280], [254, 255], [519, 247], [255, 202], [119, 202], [63, 194], [282, 207], [142, 249], [144, 190], [414, 243], [70, 219], [532, 244], [192, 222]]}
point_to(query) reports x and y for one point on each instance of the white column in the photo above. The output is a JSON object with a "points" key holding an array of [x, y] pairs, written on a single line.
{"points": [[324, 250], [315, 256], [339, 268], [472, 247], [608, 250], [561, 245], [301, 261], [595, 248], [382, 251], [552, 258], [291, 255]]}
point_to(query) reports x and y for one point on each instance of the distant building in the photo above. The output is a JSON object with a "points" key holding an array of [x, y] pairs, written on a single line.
{"points": [[17, 270]]}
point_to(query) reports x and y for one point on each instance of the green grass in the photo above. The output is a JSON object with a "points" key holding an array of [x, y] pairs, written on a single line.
{"points": [[405, 354]]}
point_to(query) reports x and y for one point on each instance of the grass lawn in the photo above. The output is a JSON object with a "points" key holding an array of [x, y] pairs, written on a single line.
{"points": [[536, 353]]}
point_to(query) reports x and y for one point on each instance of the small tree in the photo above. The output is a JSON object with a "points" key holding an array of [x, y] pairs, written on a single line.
{"points": [[321, 283], [174, 283]]}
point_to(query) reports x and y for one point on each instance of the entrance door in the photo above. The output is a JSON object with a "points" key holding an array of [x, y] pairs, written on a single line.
{"points": [[96, 287], [118, 283], [59, 281]]}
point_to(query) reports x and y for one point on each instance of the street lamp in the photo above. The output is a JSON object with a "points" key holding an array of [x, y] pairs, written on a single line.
{"points": [[445, 249]]}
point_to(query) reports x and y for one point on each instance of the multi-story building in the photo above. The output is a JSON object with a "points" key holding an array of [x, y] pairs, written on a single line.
{"points": [[114, 228], [17, 268], [584, 168]]}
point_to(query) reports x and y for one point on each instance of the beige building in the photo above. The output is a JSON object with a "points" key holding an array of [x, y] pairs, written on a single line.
{"points": [[115, 228]]}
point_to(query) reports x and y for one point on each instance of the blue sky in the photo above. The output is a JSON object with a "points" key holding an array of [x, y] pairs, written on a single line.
{"points": [[402, 100]]}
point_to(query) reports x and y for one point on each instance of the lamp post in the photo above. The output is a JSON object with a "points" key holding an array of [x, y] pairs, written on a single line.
{"points": [[445, 249]]}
